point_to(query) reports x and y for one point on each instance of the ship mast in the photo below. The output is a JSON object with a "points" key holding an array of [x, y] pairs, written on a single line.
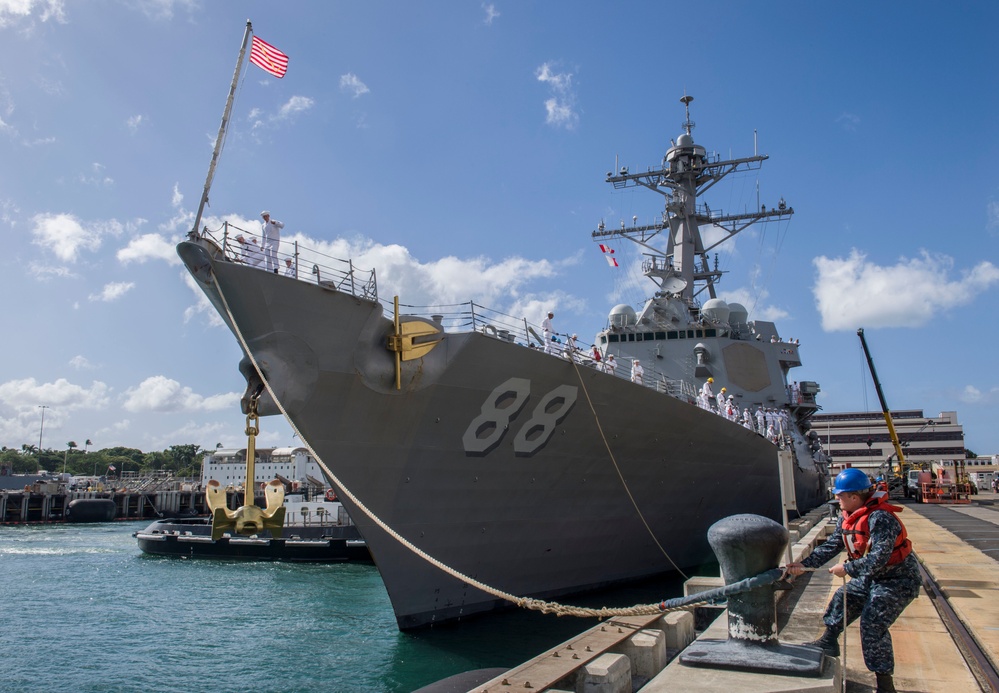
{"points": [[222, 129], [686, 173]]}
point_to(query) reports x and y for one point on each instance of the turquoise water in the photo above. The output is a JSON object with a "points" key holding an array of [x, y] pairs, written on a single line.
{"points": [[85, 610]]}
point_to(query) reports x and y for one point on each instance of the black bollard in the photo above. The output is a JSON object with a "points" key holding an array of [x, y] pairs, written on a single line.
{"points": [[747, 545]]}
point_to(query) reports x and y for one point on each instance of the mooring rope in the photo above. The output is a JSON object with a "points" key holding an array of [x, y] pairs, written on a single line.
{"points": [[610, 453], [545, 607]]}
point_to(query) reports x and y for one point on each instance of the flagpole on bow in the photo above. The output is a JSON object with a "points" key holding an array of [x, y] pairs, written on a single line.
{"points": [[222, 128]]}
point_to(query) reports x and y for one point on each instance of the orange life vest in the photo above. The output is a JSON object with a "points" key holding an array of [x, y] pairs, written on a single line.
{"points": [[857, 533]]}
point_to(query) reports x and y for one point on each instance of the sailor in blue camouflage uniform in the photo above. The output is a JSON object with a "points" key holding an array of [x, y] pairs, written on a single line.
{"points": [[883, 571]]}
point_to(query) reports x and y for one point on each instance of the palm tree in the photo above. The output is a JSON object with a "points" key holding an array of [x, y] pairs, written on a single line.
{"points": [[71, 445]]}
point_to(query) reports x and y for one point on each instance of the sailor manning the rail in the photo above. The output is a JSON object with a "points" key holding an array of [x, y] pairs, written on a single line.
{"points": [[610, 365], [637, 372], [547, 332], [271, 237], [884, 572], [704, 400]]}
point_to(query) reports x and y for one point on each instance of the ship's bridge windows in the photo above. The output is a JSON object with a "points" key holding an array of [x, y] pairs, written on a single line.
{"points": [[603, 339], [631, 337], [660, 335], [648, 336], [711, 333], [613, 337]]}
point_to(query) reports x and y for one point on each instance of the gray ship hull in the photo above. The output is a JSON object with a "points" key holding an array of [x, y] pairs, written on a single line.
{"points": [[527, 472]]}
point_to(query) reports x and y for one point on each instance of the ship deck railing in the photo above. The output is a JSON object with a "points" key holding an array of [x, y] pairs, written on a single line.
{"points": [[305, 263], [342, 275]]}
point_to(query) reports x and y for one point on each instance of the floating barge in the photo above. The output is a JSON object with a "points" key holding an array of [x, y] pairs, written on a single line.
{"points": [[192, 538]]}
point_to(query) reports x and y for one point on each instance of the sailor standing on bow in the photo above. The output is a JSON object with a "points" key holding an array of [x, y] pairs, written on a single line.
{"points": [[271, 235], [547, 332]]}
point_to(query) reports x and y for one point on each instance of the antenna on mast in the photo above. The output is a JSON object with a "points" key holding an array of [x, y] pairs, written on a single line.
{"points": [[688, 124]]}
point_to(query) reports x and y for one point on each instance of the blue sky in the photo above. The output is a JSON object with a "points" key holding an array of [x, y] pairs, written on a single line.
{"points": [[460, 149]]}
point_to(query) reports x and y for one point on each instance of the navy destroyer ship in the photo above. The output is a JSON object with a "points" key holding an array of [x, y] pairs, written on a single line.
{"points": [[462, 435]]}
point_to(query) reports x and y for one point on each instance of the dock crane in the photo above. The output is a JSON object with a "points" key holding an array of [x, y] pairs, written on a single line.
{"points": [[900, 478]]}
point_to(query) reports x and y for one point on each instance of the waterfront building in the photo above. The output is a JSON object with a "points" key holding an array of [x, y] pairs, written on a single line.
{"points": [[861, 439], [291, 465]]}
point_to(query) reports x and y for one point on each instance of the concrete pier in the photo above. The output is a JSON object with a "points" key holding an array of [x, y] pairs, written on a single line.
{"points": [[28, 507], [930, 652]]}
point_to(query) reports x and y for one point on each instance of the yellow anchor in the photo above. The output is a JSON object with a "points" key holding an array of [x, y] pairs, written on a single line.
{"points": [[248, 519], [411, 340]]}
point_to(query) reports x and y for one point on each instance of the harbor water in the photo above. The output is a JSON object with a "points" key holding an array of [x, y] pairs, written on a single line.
{"points": [[85, 610]]}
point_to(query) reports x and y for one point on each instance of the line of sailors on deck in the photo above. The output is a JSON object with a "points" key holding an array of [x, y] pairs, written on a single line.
{"points": [[768, 421]]}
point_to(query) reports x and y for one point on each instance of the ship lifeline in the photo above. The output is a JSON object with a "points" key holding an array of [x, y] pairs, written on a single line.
{"points": [[531, 472]]}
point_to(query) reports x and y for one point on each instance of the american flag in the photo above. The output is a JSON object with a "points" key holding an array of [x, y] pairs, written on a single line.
{"points": [[111, 467], [268, 58]]}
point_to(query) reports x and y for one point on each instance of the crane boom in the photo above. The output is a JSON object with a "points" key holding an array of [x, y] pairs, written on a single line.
{"points": [[884, 406]]}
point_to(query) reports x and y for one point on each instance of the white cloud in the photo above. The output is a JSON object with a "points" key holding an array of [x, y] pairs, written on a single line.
{"points": [[442, 281], [13, 11], [295, 104], [133, 123], [44, 272], [149, 246], [81, 363], [161, 394], [491, 12], [67, 237], [97, 177], [64, 235], [754, 302], [561, 106], [350, 83], [852, 292], [61, 394], [286, 112], [113, 291]]}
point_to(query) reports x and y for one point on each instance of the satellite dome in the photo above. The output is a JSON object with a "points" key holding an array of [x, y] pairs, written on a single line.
{"points": [[738, 315], [716, 309], [685, 140], [622, 315]]}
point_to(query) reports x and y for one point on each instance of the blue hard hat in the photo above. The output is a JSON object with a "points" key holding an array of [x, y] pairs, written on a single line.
{"points": [[852, 480]]}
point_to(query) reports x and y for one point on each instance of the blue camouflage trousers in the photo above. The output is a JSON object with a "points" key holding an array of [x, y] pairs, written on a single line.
{"points": [[878, 602]]}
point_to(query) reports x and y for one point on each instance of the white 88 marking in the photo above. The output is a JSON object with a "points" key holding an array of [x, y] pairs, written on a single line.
{"points": [[493, 417], [486, 430], [539, 428]]}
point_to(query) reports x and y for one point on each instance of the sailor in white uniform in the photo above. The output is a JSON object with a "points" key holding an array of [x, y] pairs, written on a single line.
{"points": [[570, 348], [271, 235], [637, 372], [547, 332], [706, 395], [610, 365]]}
